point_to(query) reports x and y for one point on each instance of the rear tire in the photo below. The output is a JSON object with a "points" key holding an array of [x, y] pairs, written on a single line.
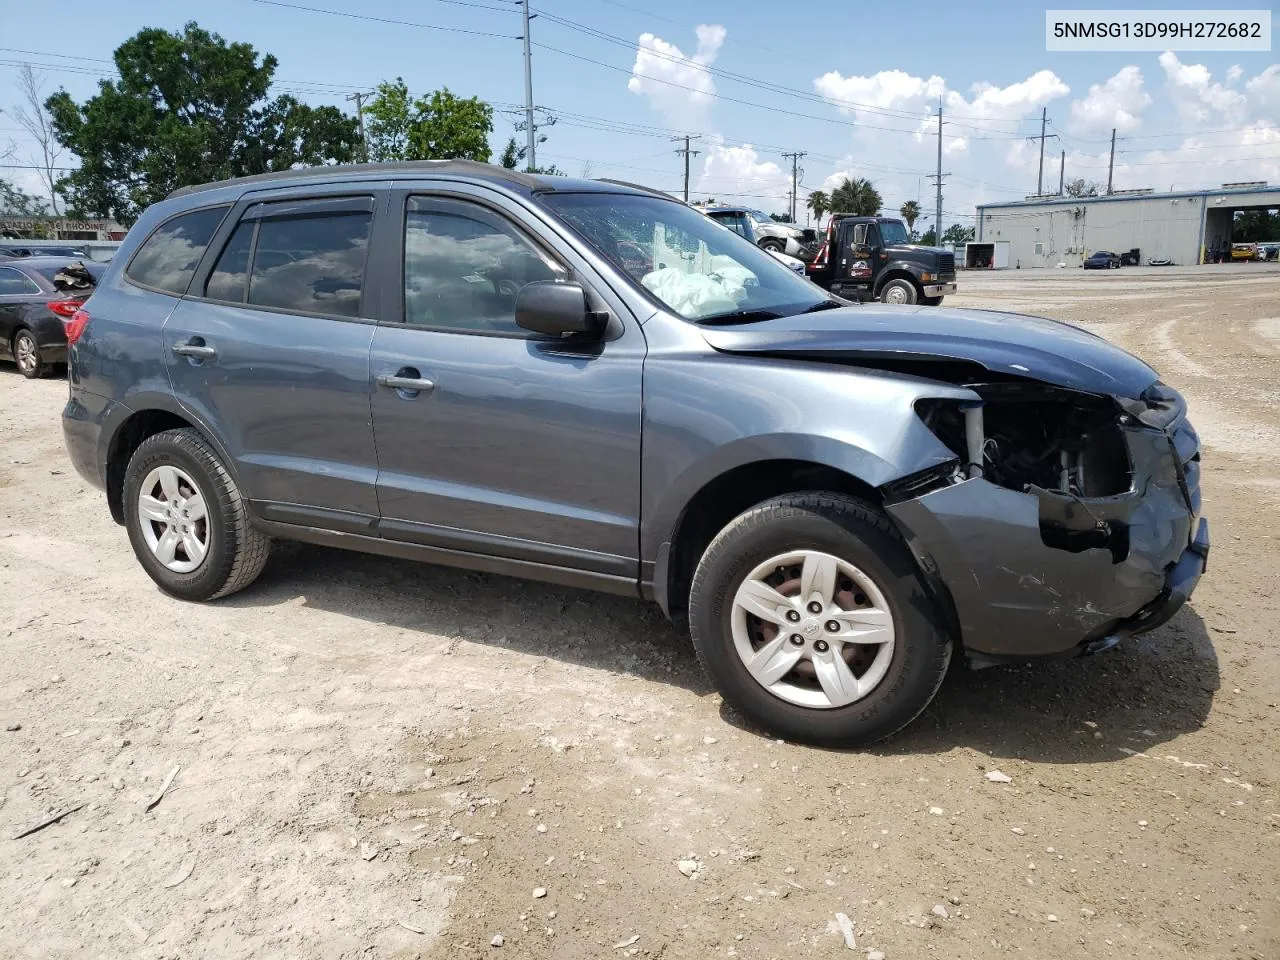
{"points": [[213, 549], [902, 666], [26, 353], [898, 291]]}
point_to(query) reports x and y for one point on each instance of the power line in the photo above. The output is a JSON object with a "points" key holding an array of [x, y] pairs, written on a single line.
{"points": [[395, 22]]}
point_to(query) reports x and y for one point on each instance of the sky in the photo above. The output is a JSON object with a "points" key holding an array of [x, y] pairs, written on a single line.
{"points": [[854, 87]]}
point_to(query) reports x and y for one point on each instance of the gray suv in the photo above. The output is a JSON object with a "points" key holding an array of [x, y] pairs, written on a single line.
{"points": [[592, 384]]}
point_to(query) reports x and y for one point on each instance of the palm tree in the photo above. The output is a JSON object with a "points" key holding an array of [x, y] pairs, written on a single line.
{"points": [[859, 197], [911, 213], [819, 203]]}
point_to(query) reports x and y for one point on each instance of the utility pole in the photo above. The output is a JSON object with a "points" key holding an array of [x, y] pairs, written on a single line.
{"points": [[359, 99], [687, 154], [937, 178], [1062, 172], [1111, 164], [795, 178], [530, 133], [1044, 122]]}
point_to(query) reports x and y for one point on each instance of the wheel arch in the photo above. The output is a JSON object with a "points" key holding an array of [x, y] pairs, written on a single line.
{"points": [[134, 424], [897, 271], [722, 497]]}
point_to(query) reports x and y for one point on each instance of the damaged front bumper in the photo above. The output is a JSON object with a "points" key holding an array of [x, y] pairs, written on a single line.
{"points": [[1042, 573]]}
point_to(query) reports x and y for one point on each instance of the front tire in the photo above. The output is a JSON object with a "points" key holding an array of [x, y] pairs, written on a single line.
{"points": [[774, 245], [808, 613], [898, 291], [26, 353], [188, 524]]}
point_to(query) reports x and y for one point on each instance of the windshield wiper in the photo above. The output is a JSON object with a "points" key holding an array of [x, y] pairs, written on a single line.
{"points": [[742, 316], [823, 305]]}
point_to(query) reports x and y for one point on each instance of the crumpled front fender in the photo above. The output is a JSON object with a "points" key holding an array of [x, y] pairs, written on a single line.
{"points": [[1017, 596]]}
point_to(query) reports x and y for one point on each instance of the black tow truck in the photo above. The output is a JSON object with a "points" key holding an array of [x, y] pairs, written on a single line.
{"points": [[873, 258]]}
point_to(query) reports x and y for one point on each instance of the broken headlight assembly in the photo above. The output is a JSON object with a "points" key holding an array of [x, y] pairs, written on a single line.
{"points": [[1024, 437], [1067, 449]]}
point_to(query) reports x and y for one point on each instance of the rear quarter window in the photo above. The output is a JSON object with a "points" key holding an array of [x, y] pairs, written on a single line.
{"points": [[168, 258]]}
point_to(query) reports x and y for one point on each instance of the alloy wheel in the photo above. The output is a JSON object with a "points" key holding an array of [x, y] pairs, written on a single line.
{"points": [[174, 518], [25, 353], [813, 629]]}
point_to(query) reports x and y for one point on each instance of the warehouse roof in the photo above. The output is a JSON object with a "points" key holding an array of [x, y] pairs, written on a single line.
{"points": [[1122, 197]]}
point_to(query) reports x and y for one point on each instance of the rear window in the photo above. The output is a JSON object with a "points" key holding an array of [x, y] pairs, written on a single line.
{"points": [[74, 276], [311, 264], [169, 256]]}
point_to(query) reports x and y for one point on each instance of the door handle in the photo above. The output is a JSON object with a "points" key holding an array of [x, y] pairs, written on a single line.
{"points": [[196, 349], [407, 380]]}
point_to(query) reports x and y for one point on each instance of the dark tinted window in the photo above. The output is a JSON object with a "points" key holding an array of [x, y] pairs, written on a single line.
{"points": [[737, 222], [169, 256], [463, 267], [313, 264], [15, 283], [227, 281]]}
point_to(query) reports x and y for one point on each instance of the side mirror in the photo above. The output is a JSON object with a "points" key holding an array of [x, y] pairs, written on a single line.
{"points": [[556, 308]]}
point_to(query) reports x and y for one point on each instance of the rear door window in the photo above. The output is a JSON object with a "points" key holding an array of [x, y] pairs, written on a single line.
{"points": [[168, 258], [311, 264], [304, 256], [15, 283], [230, 277]]}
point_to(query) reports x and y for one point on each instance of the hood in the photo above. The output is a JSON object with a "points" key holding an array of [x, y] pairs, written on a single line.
{"points": [[1008, 344]]}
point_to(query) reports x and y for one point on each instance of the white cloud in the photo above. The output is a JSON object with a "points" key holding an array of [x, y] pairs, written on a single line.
{"points": [[678, 86], [1118, 103], [1195, 95], [1264, 92], [890, 97], [1014, 102], [729, 170], [886, 90]]}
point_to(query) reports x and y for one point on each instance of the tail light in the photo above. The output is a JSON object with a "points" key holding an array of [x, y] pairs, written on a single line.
{"points": [[75, 326], [65, 308]]}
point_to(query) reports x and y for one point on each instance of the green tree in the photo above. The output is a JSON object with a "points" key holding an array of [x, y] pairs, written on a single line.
{"points": [[957, 234], [1255, 225], [818, 203], [929, 239], [858, 197], [438, 126], [16, 202], [510, 155], [1082, 188], [450, 128], [910, 212], [187, 108], [388, 118]]}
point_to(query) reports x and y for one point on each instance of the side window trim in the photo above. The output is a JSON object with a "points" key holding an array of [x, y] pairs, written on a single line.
{"points": [[225, 207], [467, 205]]}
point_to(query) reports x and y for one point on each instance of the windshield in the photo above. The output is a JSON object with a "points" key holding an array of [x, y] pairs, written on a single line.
{"points": [[685, 260], [893, 232]]}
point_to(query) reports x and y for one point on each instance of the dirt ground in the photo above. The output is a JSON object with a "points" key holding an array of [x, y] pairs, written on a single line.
{"points": [[381, 759]]}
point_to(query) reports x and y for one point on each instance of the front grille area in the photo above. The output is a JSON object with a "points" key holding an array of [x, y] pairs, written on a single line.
{"points": [[946, 263]]}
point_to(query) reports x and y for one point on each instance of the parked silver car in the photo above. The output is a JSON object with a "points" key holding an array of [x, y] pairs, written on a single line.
{"points": [[765, 232]]}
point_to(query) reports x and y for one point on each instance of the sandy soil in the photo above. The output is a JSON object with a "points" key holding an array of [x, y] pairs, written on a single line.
{"points": [[380, 759]]}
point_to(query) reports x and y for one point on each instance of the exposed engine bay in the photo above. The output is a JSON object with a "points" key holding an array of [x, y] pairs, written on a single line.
{"points": [[1024, 437]]}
